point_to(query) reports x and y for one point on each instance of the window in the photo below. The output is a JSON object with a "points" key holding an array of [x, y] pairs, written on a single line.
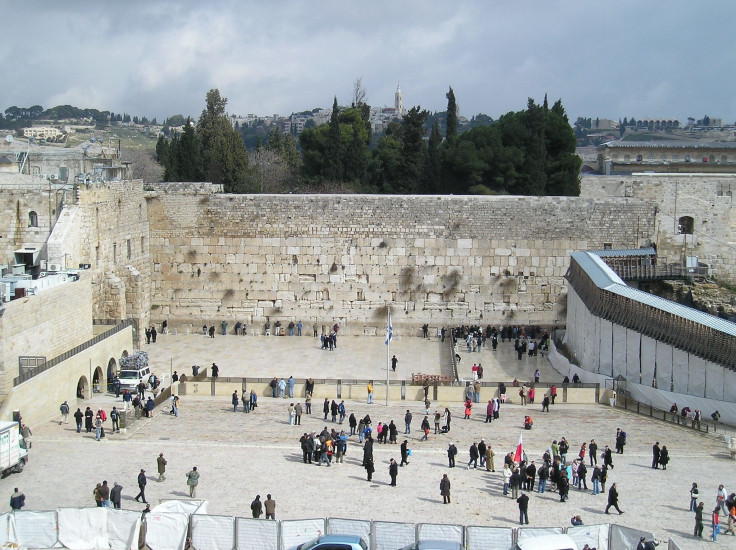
{"points": [[607, 246], [129, 249], [705, 159], [627, 158], [114, 252], [686, 225], [32, 219], [143, 245], [639, 158], [651, 158], [97, 253], [675, 157]]}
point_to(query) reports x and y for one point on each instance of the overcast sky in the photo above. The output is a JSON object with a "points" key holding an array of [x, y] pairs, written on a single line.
{"points": [[614, 59]]}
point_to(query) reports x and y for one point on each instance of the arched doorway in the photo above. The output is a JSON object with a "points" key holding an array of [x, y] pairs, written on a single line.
{"points": [[112, 371], [83, 388], [97, 380]]}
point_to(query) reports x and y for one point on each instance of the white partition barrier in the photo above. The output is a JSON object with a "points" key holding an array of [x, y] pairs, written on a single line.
{"points": [[648, 359], [488, 538], [7, 529], [213, 532], [523, 533], [625, 537], [619, 351], [36, 529], [80, 529], [680, 370], [596, 536], [342, 526], [256, 534], [388, 535], [167, 531], [605, 365], [295, 532], [123, 529], [633, 356], [664, 366], [434, 531]]}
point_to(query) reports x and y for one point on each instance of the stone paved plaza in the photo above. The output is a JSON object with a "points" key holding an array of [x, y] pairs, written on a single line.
{"points": [[242, 455]]}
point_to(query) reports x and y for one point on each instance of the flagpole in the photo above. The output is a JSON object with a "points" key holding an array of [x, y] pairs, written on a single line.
{"points": [[389, 330]]}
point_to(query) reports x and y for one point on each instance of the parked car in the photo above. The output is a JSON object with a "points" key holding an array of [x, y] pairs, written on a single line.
{"points": [[334, 542], [130, 378], [434, 545]]}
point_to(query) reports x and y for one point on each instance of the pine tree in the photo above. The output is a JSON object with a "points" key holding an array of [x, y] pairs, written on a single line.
{"points": [[451, 116]]}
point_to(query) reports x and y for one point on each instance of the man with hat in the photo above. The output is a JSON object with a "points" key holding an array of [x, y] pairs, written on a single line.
{"points": [[142, 486]]}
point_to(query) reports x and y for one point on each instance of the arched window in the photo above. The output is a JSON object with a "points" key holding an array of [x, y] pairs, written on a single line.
{"points": [[686, 224], [32, 219], [651, 158], [639, 158], [675, 157]]}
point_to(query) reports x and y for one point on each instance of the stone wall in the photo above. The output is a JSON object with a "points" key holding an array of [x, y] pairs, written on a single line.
{"points": [[108, 228], [48, 324], [707, 198], [343, 258]]}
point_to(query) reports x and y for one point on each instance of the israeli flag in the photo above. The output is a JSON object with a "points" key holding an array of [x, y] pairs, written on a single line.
{"points": [[389, 329]]}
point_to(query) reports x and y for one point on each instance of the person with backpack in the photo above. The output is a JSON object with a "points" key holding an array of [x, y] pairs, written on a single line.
{"points": [[451, 453], [115, 417]]}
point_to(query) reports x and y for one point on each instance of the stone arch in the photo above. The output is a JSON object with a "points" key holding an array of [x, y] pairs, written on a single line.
{"points": [[98, 378], [83, 388], [686, 225]]}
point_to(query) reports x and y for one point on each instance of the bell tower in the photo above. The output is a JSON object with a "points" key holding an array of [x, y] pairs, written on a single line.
{"points": [[398, 102]]}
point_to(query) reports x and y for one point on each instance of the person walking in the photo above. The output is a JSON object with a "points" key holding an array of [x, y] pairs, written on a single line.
{"points": [[256, 507], [64, 410], [115, 417], [490, 455], [445, 489], [141, 486], [98, 427], [161, 463], [404, 452], [425, 429], [407, 422], [613, 499], [473, 456], [78, 418], [193, 481], [393, 471], [523, 502], [698, 531], [270, 506], [17, 500]]}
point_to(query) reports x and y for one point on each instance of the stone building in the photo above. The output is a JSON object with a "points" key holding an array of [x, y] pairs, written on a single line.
{"points": [[625, 157]]}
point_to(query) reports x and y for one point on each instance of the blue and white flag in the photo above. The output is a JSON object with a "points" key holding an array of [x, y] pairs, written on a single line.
{"points": [[389, 329]]}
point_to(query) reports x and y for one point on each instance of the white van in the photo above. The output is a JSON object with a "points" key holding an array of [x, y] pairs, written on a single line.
{"points": [[547, 542], [130, 378]]}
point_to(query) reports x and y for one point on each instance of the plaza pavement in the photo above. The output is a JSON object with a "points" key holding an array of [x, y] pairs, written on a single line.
{"points": [[242, 455]]}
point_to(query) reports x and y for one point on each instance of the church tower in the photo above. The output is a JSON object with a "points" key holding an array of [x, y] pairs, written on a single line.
{"points": [[398, 102]]}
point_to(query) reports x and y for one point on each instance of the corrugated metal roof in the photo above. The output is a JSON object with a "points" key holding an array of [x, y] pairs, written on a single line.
{"points": [[606, 279], [674, 144], [624, 252]]}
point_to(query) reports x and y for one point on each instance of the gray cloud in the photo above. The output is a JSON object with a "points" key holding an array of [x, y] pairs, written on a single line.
{"points": [[157, 58]]}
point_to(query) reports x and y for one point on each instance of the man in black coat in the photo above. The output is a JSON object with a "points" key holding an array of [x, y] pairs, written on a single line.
{"points": [[368, 451], [256, 507], [393, 471], [593, 451], [531, 473], [613, 499], [116, 495], [142, 486], [404, 452], [655, 456], [698, 532], [523, 502], [451, 452], [582, 472]]}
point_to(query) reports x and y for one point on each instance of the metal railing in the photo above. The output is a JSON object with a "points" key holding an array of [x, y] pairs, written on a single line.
{"points": [[34, 371]]}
